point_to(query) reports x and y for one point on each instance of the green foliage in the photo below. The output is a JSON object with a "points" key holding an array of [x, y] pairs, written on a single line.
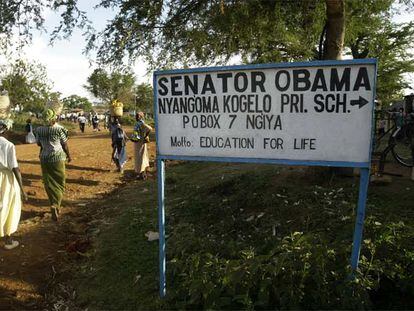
{"points": [[128, 120], [247, 237], [387, 263], [188, 33], [203, 33], [250, 243], [374, 35], [18, 132], [76, 101], [21, 18], [298, 272], [144, 97], [27, 84], [198, 32], [117, 85], [19, 122]]}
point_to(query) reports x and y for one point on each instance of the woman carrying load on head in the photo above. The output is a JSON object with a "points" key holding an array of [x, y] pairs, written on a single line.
{"points": [[11, 187], [141, 138], [54, 151]]}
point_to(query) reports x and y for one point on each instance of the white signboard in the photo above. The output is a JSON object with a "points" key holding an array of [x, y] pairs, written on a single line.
{"points": [[301, 112]]}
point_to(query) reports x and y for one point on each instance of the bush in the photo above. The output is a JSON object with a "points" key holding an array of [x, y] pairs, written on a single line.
{"points": [[128, 120], [248, 267]]}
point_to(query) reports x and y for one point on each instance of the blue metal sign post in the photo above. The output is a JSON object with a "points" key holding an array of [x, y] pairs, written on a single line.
{"points": [[183, 145], [359, 223], [161, 224]]}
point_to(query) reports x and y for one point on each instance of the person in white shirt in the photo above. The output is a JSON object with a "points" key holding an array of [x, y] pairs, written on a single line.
{"points": [[11, 188], [82, 121]]}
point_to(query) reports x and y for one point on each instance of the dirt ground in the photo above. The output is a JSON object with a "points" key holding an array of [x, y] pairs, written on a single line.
{"points": [[27, 273]]}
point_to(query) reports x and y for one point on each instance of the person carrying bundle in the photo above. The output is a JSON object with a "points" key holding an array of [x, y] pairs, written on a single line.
{"points": [[30, 138]]}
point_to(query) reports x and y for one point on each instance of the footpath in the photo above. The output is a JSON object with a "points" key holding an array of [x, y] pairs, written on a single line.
{"points": [[27, 273]]}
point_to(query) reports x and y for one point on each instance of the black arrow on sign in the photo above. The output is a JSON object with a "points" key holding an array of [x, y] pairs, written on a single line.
{"points": [[361, 102]]}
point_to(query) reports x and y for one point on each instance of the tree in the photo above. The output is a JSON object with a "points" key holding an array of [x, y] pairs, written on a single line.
{"points": [[27, 84], [206, 32], [376, 36], [18, 19], [199, 32], [112, 86], [335, 29], [196, 32], [144, 97], [77, 102]]}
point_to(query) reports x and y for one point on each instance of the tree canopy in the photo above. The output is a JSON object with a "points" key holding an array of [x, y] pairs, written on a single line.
{"points": [[77, 102], [116, 85], [144, 97], [27, 84], [376, 36], [204, 32]]}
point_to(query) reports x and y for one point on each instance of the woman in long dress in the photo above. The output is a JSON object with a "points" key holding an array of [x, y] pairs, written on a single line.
{"points": [[54, 151], [11, 187], [141, 131]]}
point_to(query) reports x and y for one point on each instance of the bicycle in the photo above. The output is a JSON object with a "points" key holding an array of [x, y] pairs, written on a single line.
{"points": [[400, 143]]}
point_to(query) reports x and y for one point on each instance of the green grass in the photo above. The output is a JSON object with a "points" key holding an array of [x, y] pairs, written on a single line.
{"points": [[123, 274], [254, 237]]}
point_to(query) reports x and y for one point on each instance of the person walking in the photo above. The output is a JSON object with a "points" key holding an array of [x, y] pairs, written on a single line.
{"points": [[119, 140], [54, 151], [11, 187], [82, 123], [30, 138], [141, 139], [95, 123]]}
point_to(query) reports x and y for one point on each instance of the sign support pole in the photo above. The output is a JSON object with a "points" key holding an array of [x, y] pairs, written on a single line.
{"points": [[359, 223], [161, 225]]}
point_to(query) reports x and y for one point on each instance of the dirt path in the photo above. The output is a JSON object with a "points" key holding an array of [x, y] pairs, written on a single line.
{"points": [[26, 272]]}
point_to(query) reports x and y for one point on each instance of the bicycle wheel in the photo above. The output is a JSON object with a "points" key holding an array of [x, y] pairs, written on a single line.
{"points": [[402, 149]]}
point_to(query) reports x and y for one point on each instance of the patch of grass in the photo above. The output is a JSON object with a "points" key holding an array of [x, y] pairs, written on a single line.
{"points": [[244, 236], [124, 272]]}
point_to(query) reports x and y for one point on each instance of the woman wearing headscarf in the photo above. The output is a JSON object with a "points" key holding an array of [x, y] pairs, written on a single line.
{"points": [[141, 138], [54, 151], [11, 187]]}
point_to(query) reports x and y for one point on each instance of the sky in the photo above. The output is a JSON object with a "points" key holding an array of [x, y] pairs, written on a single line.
{"points": [[68, 68]]}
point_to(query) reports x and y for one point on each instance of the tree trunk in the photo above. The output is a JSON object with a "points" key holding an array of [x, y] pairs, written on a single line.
{"points": [[335, 33], [334, 44]]}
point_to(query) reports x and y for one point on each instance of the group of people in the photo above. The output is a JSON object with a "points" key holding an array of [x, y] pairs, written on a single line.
{"points": [[54, 153], [140, 138], [94, 121]]}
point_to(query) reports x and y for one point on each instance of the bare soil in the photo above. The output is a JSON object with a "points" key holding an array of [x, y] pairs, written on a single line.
{"points": [[27, 272]]}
